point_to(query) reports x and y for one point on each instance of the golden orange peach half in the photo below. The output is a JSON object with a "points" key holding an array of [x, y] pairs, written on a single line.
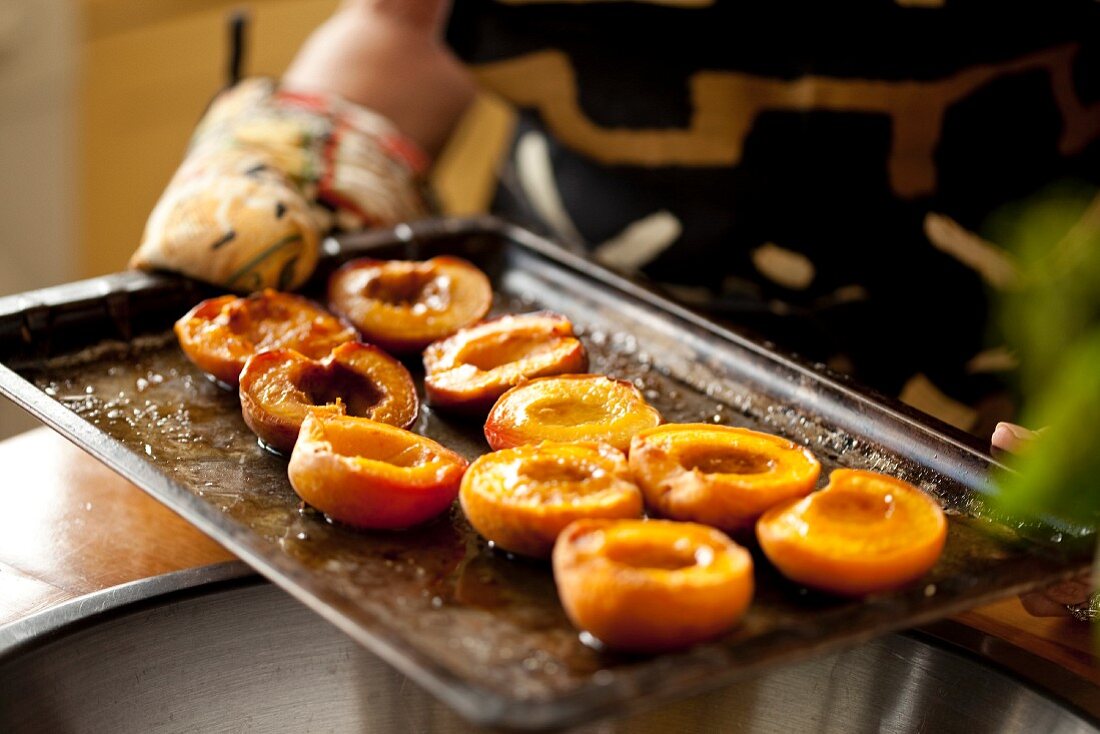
{"points": [[863, 533], [279, 387], [717, 475], [404, 305], [220, 334], [651, 585], [470, 370], [522, 498], [566, 408], [372, 475]]}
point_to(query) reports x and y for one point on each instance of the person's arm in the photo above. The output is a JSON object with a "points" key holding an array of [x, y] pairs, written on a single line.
{"points": [[389, 56]]}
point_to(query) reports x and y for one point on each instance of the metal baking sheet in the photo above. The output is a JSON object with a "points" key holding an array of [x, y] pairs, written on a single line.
{"points": [[482, 631]]}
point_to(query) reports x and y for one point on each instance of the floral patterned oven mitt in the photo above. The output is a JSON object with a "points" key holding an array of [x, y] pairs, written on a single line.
{"points": [[270, 171]]}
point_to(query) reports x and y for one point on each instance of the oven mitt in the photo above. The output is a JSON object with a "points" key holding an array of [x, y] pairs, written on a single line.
{"points": [[268, 173]]}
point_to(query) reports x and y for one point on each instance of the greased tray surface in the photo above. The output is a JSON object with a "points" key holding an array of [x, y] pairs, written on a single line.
{"points": [[483, 631]]}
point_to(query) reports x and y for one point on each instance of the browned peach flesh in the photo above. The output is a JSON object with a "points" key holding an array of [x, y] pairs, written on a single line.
{"points": [[718, 475], [279, 387], [651, 585], [521, 498], [372, 475], [404, 305], [864, 533], [593, 408], [473, 368], [220, 334]]}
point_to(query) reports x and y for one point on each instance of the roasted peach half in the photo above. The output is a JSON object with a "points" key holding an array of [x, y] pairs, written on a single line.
{"points": [[651, 585], [220, 334], [372, 475], [473, 368], [593, 408], [521, 498], [863, 533], [279, 387], [718, 475], [404, 305]]}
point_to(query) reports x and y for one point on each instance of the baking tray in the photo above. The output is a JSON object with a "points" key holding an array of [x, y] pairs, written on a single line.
{"points": [[482, 631]]}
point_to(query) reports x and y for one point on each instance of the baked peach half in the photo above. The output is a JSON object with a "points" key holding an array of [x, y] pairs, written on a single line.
{"points": [[279, 387], [220, 334], [404, 305], [372, 475], [566, 408], [470, 370], [651, 585], [521, 498], [721, 476], [863, 533]]}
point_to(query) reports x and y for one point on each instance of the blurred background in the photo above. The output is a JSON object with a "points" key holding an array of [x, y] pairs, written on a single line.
{"points": [[97, 101]]}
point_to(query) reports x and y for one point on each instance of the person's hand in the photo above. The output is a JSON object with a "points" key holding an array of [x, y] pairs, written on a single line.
{"points": [[312, 160], [1011, 438], [1066, 598], [389, 56]]}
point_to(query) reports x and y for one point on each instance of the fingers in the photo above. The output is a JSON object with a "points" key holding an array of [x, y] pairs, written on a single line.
{"points": [[1037, 604], [1074, 591], [1057, 599], [1011, 437]]}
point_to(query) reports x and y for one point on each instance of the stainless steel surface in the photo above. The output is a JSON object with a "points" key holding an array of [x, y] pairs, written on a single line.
{"points": [[37, 626], [252, 659]]}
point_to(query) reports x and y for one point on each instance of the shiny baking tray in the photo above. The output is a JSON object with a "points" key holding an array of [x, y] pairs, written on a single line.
{"points": [[482, 631]]}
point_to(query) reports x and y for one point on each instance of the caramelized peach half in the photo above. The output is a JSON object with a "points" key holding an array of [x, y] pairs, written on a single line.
{"points": [[651, 585], [473, 368], [865, 532], [521, 498], [220, 334], [404, 305], [372, 475], [593, 408], [279, 387], [718, 475]]}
